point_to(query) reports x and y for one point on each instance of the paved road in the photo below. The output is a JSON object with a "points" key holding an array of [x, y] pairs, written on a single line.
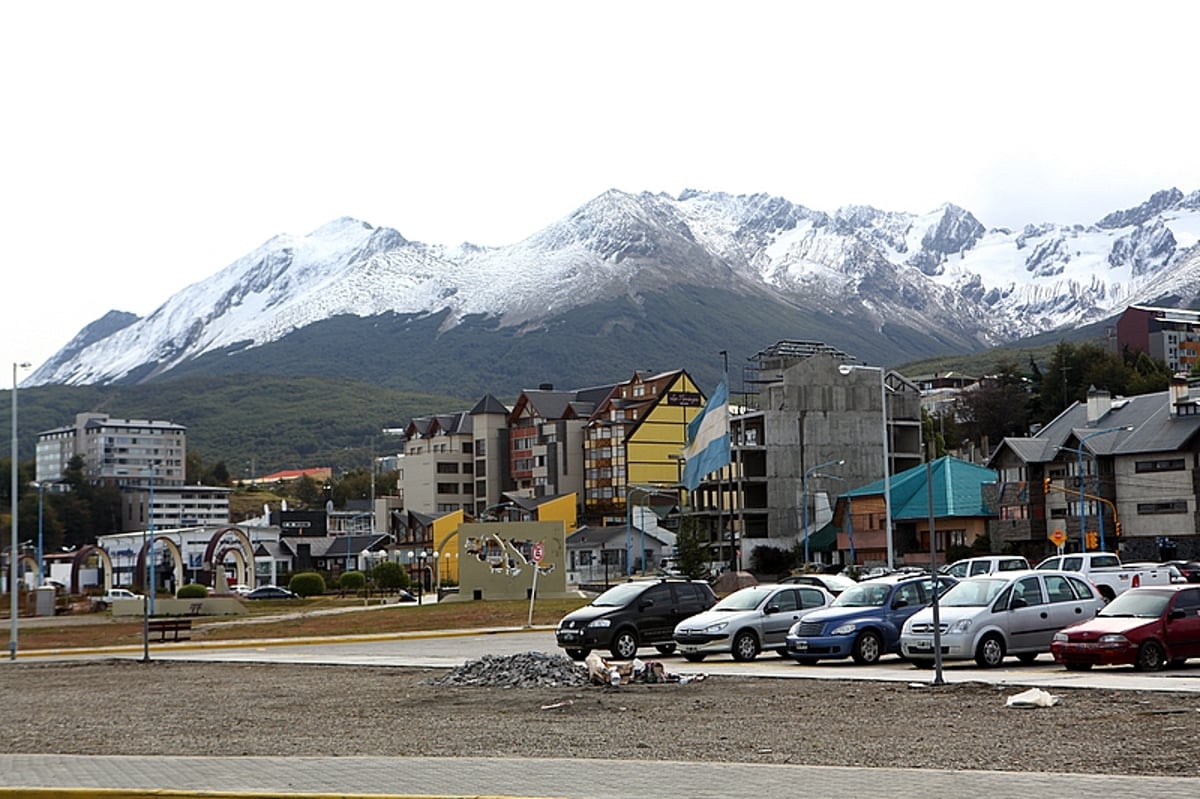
{"points": [[450, 649], [549, 777]]}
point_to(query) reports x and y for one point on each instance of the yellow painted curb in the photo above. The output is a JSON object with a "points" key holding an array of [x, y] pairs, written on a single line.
{"points": [[169, 793]]}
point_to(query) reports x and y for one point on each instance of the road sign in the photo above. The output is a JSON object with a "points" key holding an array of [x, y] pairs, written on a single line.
{"points": [[538, 552], [1058, 538]]}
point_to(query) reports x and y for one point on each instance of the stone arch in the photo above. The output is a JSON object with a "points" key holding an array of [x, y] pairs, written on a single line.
{"points": [[210, 552], [81, 558], [31, 562], [239, 559], [176, 556]]}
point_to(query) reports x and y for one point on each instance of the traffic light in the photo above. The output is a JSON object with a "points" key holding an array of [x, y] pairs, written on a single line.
{"points": [[1093, 540], [1046, 485], [1117, 525]]}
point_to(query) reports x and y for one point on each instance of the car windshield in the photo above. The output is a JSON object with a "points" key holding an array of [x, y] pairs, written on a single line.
{"points": [[1137, 604], [744, 599], [972, 593], [619, 595], [862, 596]]}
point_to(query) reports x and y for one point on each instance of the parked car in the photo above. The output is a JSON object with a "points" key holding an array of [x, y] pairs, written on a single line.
{"points": [[990, 617], [632, 615], [271, 592], [1106, 572], [985, 564], [833, 583], [1190, 569], [1144, 627], [748, 621], [864, 621], [113, 595]]}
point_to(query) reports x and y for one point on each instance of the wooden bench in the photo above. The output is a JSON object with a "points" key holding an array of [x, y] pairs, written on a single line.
{"points": [[178, 629]]}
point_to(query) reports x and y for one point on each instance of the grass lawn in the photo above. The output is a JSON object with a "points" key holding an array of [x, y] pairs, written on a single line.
{"points": [[262, 621]]}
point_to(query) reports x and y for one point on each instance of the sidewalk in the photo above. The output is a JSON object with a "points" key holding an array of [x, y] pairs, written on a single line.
{"points": [[113, 777]]}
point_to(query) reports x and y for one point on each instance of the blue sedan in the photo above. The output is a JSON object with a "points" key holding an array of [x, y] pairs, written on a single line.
{"points": [[864, 621]]}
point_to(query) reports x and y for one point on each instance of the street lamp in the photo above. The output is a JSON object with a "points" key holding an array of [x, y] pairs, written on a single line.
{"points": [[421, 557], [647, 492], [846, 369], [804, 482], [1083, 507], [12, 580]]}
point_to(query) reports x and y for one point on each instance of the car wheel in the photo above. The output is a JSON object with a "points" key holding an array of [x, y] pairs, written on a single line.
{"points": [[578, 654], [745, 647], [867, 648], [1150, 657], [694, 657], [665, 649], [990, 652], [1027, 657], [1078, 666], [624, 645]]}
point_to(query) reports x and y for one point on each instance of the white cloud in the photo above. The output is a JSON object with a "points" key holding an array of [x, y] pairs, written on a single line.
{"points": [[148, 144]]}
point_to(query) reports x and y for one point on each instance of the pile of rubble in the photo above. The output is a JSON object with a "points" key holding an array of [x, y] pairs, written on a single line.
{"points": [[526, 670]]}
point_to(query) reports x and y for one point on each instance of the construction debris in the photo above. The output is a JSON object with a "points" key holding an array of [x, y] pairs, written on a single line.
{"points": [[525, 670]]}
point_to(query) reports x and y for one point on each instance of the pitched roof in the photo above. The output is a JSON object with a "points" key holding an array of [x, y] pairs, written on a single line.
{"points": [[956, 490]]}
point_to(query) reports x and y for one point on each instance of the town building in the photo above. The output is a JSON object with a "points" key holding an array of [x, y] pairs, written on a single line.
{"points": [[1133, 461], [120, 452], [1171, 335]]}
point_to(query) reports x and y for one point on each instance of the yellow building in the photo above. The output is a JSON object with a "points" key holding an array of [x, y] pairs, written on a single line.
{"points": [[634, 440]]}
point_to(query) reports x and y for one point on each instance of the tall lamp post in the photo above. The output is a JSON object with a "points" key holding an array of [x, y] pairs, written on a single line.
{"points": [[12, 555], [811, 472], [846, 369], [40, 489], [1082, 502]]}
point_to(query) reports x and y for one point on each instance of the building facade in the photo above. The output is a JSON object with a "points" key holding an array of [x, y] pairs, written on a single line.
{"points": [[122, 452], [1171, 335]]}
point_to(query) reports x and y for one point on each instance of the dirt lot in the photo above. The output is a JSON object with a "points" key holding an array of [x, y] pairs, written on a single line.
{"points": [[174, 708]]}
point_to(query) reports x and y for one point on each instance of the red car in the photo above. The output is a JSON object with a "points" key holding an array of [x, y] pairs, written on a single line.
{"points": [[1144, 627]]}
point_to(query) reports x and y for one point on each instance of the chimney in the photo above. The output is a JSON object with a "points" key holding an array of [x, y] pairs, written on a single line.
{"points": [[1099, 402], [1178, 393]]}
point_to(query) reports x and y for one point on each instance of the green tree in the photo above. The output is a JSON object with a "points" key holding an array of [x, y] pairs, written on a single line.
{"points": [[691, 548], [996, 408], [352, 581]]}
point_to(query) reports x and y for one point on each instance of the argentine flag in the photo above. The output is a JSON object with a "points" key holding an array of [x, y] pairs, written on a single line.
{"points": [[707, 448]]}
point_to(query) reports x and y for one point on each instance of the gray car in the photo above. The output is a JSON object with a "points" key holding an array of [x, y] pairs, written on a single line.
{"points": [[748, 621], [1007, 613]]}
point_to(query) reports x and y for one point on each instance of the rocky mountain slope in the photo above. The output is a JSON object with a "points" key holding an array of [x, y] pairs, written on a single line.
{"points": [[645, 280]]}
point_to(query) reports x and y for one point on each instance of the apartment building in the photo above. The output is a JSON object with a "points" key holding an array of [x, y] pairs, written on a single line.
{"points": [[1114, 473], [1171, 335], [122, 452]]}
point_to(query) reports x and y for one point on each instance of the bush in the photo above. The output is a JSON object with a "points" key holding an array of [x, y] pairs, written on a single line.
{"points": [[352, 581], [192, 591], [390, 576], [306, 584]]}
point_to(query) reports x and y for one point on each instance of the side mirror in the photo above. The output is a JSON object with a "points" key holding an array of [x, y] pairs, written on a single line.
{"points": [[900, 603], [771, 609], [645, 603], [1176, 614], [1018, 602]]}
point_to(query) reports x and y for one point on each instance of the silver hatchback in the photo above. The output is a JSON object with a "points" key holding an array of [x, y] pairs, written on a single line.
{"points": [[1008, 613], [748, 621]]}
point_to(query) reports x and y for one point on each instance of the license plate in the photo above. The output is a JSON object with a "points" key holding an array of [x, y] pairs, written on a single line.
{"points": [[921, 645], [688, 648], [567, 634], [800, 646]]}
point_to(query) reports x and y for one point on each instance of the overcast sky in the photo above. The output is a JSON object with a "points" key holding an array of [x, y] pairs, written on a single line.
{"points": [[146, 145]]}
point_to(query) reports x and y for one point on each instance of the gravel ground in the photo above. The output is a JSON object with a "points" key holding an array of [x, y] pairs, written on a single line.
{"points": [[124, 707]]}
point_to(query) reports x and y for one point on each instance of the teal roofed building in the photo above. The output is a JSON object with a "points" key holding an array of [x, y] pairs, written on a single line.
{"points": [[960, 514]]}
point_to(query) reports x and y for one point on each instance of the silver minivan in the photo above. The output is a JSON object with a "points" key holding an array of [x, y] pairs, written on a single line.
{"points": [[992, 616], [985, 564]]}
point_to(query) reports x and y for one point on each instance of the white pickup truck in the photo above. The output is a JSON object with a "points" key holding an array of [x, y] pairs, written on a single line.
{"points": [[1105, 570], [114, 594]]}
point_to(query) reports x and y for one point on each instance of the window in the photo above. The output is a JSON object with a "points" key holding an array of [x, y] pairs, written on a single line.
{"points": [[1058, 589], [447, 468], [1158, 508], [1029, 589], [1082, 589], [1166, 465], [785, 600], [447, 488]]}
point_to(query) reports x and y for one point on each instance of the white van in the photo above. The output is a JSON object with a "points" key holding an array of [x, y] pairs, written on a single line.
{"points": [[986, 564]]}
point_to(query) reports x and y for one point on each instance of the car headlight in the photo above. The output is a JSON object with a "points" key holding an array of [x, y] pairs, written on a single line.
{"points": [[961, 626], [1113, 638], [845, 629], [716, 627], [1060, 638], [600, 623]]}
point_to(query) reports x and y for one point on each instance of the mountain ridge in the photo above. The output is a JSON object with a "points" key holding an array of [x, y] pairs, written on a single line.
{"points": [[882, 285]]}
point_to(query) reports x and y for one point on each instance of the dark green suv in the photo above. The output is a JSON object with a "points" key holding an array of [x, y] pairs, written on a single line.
{"points": [[632, 615]]}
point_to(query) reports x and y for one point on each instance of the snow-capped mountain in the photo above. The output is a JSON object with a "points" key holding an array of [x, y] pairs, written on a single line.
{"points": [[900, 285]]}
